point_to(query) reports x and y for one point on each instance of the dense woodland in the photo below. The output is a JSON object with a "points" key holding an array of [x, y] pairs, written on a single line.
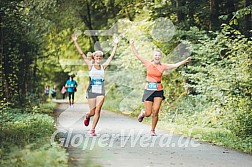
{"points": [[213, 91]]}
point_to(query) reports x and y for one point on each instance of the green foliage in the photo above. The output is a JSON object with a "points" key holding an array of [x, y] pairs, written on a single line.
{"points": [[46, 108], [216, 136], [213, 91], [21, 129], [23, 137], [186, 14], [219, 85], [23, 25], [46, 155]]}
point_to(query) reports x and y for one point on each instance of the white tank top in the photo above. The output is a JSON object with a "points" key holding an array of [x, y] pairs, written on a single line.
{"points": [[95, 73]]}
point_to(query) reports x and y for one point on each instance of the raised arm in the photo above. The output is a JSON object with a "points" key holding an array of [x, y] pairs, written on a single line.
{"points": [[87, 61], [107, 62], [173, 66], [136, 52]]}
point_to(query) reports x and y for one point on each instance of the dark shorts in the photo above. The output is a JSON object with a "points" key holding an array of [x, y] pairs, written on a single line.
{"points": [[149, 95]]}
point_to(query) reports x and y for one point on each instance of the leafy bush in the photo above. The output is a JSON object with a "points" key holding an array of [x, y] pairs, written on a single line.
{"points": [[23, 137], [46, 155], [24, 128], [218, 85]]}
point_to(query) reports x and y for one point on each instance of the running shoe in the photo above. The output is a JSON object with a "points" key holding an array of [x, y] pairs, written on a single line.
{"points": [[153, 133], [92, 132], [141, 116], [86, 121]]}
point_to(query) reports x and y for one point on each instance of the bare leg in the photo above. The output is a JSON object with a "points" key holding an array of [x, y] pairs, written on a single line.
{"points": [[147, 108], [99, 103], [155, 110], [92, 104]]}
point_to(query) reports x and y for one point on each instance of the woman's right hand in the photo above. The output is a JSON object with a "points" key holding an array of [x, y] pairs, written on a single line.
{"points": [[74, 38]]}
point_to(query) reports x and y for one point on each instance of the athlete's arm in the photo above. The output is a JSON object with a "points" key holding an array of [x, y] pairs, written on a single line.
{"points": [[106, 64], [66, 85], [173, 66], [87, 61], [133, 48]]}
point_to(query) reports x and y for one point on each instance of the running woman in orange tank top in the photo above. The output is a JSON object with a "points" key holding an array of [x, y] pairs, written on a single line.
{"points": [[153, 91]]}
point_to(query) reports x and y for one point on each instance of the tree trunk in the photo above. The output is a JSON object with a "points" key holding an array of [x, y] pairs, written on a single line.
{"points": [[248, 19], [1, 61], [214, 14], [112, 7], [230, 8], [180, 4], [88, 22]]}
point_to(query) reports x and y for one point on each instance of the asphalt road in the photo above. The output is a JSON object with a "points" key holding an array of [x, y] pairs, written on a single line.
{"points": [[124, 142]]}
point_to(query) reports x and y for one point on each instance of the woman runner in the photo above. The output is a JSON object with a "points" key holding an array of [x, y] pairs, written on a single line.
{"points": [[95, 91], [153, 91]]}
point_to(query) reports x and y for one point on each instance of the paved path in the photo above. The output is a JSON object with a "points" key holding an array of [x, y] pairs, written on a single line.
{"points": [[124, 142]]}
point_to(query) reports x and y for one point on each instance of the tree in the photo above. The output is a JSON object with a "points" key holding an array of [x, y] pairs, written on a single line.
{"points": [[22, 28], [181, 12], [214, 14]]}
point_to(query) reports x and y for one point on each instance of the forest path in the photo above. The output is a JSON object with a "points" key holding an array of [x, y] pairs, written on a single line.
{"points": [[123, 141]]}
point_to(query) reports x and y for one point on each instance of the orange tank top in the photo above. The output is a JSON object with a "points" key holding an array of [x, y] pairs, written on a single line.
{"points": [[154, 73]]}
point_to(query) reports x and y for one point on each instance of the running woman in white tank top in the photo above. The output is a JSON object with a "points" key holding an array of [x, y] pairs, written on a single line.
{"points": [[95, 91]]}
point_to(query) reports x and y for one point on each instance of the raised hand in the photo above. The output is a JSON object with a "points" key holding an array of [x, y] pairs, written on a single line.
{"points": [[188, 59], [131, 41], [74, 38], [116, 41]]}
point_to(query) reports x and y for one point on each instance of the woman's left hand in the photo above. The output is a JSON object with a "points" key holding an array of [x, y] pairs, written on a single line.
{"points": [[74, 38], [188, 59], [116, 41]]}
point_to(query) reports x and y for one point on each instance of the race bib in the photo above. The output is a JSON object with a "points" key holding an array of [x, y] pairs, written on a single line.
{"points": [[96, 85], [96, 81], [152, 86]]}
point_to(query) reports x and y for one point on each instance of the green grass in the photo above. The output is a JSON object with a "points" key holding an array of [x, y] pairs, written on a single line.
{"points": [[216, 136], [47, 107], [25, 137]]}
